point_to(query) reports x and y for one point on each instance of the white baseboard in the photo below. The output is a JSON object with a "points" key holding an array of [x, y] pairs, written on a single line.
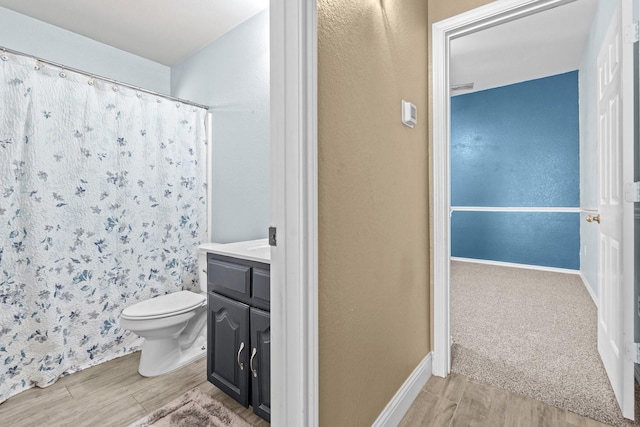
{"points": [[392, 414], [589, 288], [515, 265]]}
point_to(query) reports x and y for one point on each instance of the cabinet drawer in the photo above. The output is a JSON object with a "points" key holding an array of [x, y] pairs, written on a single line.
{"points": [[232, 280], [261, 290]]}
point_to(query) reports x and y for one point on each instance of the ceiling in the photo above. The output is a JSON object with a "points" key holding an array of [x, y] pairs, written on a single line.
{"points": [[164, 31], [540, 45]]}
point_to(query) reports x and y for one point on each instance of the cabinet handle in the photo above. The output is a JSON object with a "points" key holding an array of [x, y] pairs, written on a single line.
{"points": [[253, 354], [240, 351]]}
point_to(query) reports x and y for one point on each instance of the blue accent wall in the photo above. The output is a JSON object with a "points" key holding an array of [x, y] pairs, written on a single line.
{"points": [[517, 146], [549, 239]]}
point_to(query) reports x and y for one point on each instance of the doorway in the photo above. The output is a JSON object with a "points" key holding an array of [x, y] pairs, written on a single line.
{"points": [[443, 33]]}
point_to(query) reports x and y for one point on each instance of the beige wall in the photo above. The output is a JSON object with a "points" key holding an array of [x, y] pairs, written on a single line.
{"points": [[443, 9], [373, 204], [374, 175]]}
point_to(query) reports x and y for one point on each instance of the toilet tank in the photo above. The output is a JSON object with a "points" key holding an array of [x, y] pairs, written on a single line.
{"points": [[202, 270]]}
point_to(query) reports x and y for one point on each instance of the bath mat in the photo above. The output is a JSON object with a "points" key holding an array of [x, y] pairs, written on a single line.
{"points": [[193, 409]]}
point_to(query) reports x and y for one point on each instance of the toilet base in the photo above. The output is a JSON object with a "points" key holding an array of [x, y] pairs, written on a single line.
{"points": [[161, 356]]}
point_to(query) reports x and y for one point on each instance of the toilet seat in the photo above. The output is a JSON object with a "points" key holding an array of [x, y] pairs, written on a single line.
{"points": [[164, 306]]}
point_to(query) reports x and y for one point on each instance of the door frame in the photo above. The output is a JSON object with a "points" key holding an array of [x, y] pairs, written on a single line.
{"points": [[443, 32], [294, 213], [628, 255]]}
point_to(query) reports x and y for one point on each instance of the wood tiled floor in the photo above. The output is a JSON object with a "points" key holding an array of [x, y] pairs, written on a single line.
{"points": [[114, 394], [458, 401], [110, 394]]}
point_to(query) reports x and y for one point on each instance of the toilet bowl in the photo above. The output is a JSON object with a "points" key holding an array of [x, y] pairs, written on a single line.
{"points": [[173, 327]]}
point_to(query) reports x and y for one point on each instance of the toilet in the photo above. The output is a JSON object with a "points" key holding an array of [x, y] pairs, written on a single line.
{"points": [[173, 327]]}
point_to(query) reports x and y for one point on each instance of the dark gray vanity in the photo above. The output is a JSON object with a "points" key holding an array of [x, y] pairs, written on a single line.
{"points": [[238, 327]]}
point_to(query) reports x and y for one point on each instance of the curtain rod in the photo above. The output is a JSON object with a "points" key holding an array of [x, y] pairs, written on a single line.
{"points": [[106, 79]]}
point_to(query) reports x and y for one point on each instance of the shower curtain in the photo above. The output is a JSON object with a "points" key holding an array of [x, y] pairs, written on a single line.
{"points": [[102, 204]]}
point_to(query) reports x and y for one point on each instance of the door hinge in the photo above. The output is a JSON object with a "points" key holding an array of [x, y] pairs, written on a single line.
{"points": [[272, 236], [636, 358], [632, 192], [632, 33]]}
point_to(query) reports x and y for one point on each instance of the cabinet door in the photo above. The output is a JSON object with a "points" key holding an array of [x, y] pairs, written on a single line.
{"points": [[229, 347], [260, 363]]}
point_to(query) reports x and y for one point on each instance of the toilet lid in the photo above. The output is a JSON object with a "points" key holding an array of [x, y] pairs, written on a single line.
{"points": [[165, 305]]}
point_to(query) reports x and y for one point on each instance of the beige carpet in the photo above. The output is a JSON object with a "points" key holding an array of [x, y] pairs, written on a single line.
{"points": [[193, 409], [533, 333]]}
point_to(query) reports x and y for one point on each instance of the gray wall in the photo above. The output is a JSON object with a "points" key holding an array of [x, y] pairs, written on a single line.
{"points": [[31, 36], [231, 75], [589, 141]]}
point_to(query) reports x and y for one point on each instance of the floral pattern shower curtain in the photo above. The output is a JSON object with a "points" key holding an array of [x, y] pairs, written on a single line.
{"points": [[102, 204]]}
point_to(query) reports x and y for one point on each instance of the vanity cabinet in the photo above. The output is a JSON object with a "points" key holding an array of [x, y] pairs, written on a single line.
{"points": [[239, 334]]}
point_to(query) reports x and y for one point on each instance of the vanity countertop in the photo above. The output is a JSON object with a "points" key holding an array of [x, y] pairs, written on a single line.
{"points": [[252, 250]]}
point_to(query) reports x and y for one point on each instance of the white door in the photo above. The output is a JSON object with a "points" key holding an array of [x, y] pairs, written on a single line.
{"points": [[611, 336]]}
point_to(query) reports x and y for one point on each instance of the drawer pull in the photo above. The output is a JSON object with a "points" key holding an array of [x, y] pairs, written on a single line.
{"points": [[240, 351], [253, 354]]}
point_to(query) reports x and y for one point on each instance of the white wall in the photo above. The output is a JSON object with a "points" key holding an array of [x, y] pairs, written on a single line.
{"points": [[636, 225], [589, 141], [231, 75], [31, 36]]}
